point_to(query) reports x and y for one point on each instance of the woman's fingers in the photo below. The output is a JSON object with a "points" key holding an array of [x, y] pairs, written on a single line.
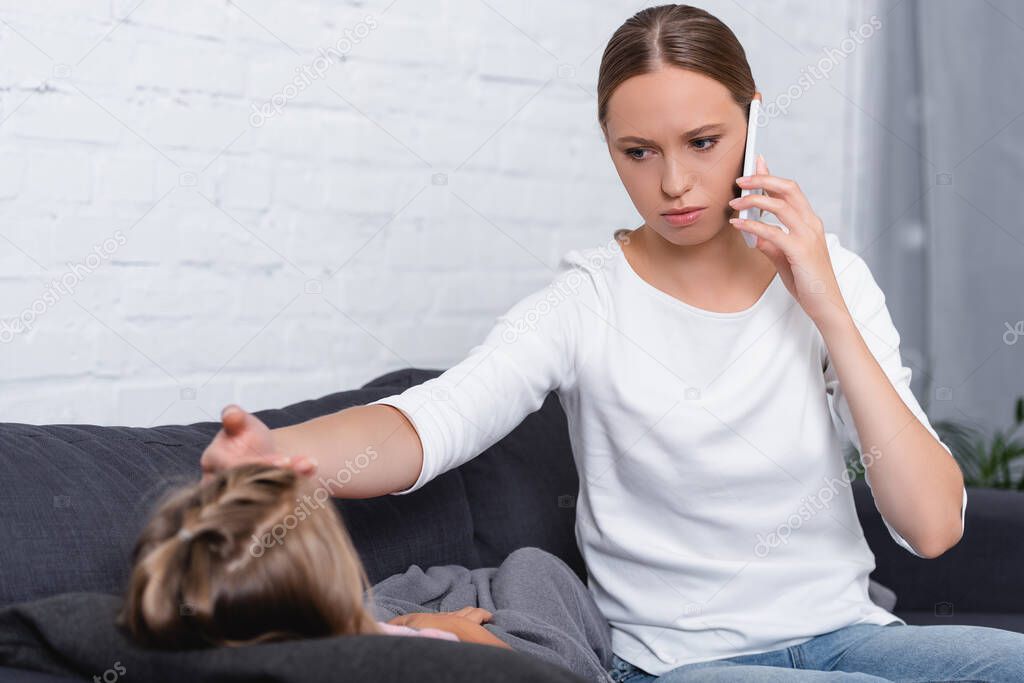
{"points": [[772, 250], [776, 197], [233, 419], [773, 205], [778, 188], [304, 465], [300, 463], [761, 166], [243, 439], [764, 231]]}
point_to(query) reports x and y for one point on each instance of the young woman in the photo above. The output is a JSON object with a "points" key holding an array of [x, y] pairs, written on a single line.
{"points": [[248, 556], [705, 383]]}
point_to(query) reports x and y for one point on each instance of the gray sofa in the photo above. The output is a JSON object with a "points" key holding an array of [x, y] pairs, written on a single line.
{"points": [[74, 497]]}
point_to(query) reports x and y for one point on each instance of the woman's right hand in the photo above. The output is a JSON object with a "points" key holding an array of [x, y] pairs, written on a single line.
{"points": [[243, 438]]}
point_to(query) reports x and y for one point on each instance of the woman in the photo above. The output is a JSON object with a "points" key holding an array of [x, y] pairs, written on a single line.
{"points": [[704, 384], [250, 556]]}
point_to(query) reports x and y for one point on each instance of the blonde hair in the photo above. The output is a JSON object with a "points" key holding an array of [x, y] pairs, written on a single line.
{"points": [[219, 564]]}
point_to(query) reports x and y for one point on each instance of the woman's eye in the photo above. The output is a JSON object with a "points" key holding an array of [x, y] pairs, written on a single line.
{"points": [[713, 141], [700, 144]]}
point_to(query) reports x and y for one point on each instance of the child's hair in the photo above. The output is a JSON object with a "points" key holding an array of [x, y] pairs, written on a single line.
{"points": [[246, 557]]}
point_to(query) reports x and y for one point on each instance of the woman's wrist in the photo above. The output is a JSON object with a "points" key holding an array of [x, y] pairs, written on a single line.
{"points": [[838, 323]]}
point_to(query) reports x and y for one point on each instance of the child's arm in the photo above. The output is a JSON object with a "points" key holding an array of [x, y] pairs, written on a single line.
{"points": [[402, 630]]}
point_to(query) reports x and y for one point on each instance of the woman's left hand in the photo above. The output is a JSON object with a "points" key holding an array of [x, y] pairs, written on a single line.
{"points": [[799, 251]]}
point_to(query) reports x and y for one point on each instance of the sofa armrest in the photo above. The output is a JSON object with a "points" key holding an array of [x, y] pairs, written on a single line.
{"points": [[980, 574]]}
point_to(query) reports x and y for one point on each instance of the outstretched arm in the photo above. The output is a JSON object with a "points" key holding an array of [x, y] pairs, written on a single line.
{"points": [[359, 452], [398, 443]]}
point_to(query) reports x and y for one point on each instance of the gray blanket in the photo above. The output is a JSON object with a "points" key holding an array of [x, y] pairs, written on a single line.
{"points": [[540, 606]]}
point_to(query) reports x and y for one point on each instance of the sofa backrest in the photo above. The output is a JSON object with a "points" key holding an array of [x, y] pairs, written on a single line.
{"points": [[73, 498]]}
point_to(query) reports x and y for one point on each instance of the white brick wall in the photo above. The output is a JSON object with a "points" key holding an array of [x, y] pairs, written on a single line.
{"points": [[132, 122]]}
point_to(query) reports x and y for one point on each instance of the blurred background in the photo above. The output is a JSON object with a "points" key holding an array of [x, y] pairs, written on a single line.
{"points": [[263, 202]]}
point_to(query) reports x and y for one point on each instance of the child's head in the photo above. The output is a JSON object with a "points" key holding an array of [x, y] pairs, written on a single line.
{"points": [[250, 556]]}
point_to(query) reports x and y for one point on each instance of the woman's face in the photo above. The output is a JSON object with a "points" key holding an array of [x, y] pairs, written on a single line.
{"points": [[676, 138]]}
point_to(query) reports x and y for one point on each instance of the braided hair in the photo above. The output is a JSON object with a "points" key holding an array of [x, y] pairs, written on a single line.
{"points": [[246, 557]]}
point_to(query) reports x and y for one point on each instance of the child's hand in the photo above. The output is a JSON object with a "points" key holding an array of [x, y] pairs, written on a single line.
{"points": [[465, 623], [477, 615]]}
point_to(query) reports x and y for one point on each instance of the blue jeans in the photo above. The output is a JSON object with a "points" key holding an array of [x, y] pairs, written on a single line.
{"points": [[864, 652]]}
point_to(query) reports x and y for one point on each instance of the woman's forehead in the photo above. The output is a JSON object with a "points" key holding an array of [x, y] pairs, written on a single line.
{"points": [[668, 103]]}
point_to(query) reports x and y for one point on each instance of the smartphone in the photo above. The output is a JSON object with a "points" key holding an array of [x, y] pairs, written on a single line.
{"points": [[750, 166]]}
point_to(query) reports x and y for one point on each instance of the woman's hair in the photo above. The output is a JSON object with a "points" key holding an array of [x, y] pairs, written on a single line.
{"points": [[674, 35], [246, 557]]}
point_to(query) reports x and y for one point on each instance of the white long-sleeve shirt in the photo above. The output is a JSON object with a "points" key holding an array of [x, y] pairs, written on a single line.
{"points": [[715, 515]]}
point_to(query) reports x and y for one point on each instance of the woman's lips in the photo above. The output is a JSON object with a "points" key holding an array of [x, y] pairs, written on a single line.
{"points": [[684, 219]]}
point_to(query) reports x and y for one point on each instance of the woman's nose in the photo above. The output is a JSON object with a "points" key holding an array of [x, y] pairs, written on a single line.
{"points": [[678, 179]]}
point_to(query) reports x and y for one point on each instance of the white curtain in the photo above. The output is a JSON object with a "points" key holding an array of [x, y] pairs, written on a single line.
{"points": [[938, 161]]}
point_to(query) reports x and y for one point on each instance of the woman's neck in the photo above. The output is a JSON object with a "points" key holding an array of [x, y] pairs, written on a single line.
{"points": [[721, 274]]}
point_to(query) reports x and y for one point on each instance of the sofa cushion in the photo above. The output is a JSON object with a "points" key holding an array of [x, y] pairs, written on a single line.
{"points": [[76, 496], [1008, 621], [979, 575]]}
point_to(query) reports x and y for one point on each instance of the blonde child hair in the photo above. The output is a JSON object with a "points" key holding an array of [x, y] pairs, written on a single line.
{"points": [[247, 557]]}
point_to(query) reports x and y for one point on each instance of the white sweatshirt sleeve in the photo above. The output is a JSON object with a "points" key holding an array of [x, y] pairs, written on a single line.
{"points": [[866, 302], [532, 349]]}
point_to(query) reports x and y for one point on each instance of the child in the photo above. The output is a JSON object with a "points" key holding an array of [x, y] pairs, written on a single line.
{"points": [[249, 556]]}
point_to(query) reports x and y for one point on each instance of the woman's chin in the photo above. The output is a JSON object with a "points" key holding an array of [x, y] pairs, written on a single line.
{"points": [[690, 234]]}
